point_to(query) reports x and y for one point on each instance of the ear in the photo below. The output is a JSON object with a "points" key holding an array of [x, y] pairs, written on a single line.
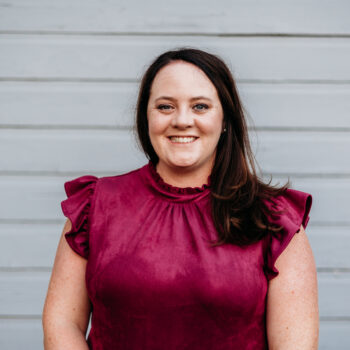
{"points": [[223, 130]]}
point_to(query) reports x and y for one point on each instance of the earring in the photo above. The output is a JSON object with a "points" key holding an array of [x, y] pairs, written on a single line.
{"points": [[224, 130]]}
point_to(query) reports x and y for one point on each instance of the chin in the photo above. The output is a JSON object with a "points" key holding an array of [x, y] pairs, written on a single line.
{"points": [[185, 163]]}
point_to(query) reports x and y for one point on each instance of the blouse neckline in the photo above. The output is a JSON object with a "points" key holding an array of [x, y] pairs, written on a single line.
{"points": [[174, 192]]}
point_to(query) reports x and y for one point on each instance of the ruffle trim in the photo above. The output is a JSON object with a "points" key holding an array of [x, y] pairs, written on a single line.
{"points": [[77, 207], [174, 189], [296, 206]]}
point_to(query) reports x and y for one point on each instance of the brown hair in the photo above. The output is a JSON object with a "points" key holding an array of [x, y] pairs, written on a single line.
{"points": [[237, 193]]}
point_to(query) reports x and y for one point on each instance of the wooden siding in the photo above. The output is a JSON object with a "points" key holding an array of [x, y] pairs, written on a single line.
{"points": [[69, 73]]}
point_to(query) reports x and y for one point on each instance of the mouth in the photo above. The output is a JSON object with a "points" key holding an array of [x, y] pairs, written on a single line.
{"points": [[182, 139]]}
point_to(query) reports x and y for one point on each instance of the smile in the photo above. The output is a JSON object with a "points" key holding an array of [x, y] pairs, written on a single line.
{"points": [[182, 139]]}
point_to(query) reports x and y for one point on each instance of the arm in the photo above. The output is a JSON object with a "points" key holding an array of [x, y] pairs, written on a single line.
{"points": [[292, 318], [67, 307]]}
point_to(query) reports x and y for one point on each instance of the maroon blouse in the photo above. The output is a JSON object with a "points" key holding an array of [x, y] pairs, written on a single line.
{"points": [[152, 278]]}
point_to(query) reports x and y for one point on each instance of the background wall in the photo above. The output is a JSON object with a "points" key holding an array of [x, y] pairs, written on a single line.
{"points": [[69, 72]]}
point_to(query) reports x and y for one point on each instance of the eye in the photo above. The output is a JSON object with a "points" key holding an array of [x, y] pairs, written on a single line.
{"points": [[203, 105], [163, 107]]}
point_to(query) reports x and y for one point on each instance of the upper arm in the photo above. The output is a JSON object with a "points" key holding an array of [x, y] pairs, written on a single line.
{"points": [[292, 318], [67, 300]]}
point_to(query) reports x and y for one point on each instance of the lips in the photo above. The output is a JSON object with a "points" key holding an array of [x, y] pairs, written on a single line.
{"points": [[182, 139]]}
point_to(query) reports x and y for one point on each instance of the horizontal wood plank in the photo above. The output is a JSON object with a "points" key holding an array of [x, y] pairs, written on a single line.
{"points": [[19, 334], [296, 152], [330, 245], [334, 297], [310, 106], [334, 335], [85, 105], [105, 105], [29, 245], [224, 17], [123, 58], [69, 150], [33, 245], [23, 293]]}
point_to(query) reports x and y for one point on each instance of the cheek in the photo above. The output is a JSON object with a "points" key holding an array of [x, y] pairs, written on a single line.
{"points": [[152, 128], [211, 129], [156, 125]]}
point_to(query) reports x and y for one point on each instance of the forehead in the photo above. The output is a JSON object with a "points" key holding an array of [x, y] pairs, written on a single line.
{"points": [[182, 77]]}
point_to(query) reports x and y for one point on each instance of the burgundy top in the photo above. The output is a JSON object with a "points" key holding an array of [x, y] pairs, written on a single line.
{"points": [[152, 278]]}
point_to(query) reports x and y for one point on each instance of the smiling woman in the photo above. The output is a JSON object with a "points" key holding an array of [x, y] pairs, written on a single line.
{"points": [[193, 250]]}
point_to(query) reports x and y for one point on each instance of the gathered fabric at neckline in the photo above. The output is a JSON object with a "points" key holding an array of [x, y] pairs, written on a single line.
{"points": [[174, 192]]}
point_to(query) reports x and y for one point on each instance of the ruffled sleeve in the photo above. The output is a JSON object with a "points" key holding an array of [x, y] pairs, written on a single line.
{"points": [[296, 206], [76, 207]]}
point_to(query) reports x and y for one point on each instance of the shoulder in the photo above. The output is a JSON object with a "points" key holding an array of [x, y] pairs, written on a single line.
{"points": [[290, 208], [291, 197], [289, 211], [126, 183], [297, 258]]}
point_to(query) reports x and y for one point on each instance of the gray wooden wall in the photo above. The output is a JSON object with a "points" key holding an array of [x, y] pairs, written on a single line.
{"points": [[69, 72]]}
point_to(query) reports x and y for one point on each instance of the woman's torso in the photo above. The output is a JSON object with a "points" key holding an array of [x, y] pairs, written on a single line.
{"points": [[154, 281]]}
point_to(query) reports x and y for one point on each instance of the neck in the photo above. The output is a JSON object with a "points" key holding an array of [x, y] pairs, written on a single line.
{"points": [[183, 176]]}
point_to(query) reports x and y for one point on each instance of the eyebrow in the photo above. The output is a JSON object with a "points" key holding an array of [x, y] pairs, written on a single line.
{"points": [[174, 99]]}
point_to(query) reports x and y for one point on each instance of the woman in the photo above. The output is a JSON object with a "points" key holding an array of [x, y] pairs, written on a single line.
{"points": [[192, 250]]}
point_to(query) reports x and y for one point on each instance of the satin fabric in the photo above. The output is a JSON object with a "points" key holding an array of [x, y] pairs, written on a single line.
{"points": [[152, 278]]}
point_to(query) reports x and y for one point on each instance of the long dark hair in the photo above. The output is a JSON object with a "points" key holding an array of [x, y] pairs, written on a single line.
{"points": [[237, 193]]}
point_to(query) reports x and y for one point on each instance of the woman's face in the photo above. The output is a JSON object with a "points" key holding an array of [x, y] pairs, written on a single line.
{"points": [[185, 117]]}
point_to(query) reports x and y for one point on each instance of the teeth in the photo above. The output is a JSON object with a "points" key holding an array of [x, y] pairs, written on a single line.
{"points": [[182, 139]]}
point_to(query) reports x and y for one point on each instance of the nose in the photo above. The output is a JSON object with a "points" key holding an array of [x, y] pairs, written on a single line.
{"points": [[182, 119]]}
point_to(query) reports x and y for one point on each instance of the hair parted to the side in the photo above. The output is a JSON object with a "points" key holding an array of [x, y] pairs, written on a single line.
{"points": [[237, 193]]}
